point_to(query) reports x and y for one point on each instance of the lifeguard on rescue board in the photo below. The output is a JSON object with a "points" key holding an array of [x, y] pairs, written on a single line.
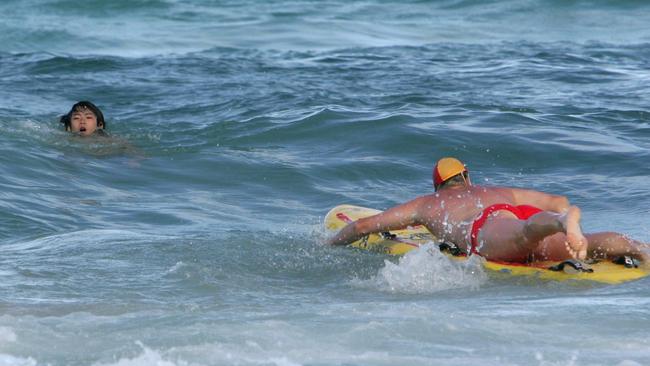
{"points": [[498, 223]]}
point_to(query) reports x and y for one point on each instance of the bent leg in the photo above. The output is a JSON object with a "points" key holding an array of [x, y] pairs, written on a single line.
{"points": [[612, 245], [513, 240], [605, 245]]}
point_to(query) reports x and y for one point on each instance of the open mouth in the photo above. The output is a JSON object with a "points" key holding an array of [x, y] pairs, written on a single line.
{"points": [[82, 129]]}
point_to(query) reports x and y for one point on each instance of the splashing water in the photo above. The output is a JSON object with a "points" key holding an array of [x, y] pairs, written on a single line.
{"points": [[427, 270]]}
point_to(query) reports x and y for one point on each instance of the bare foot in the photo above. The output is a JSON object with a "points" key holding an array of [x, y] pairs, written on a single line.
{"points": [[576, 243]]}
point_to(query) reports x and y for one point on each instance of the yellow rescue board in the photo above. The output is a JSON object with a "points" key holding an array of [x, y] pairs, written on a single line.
{"points": [[398, 242]]}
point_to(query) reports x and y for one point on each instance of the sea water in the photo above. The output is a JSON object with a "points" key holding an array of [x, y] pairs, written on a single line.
{"points": [[193, 236]]}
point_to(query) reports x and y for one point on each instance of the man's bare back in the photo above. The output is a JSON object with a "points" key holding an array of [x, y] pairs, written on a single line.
{"points": [[450, 213]]}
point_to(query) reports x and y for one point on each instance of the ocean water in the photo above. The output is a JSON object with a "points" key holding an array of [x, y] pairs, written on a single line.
{"points": [[193, 236]]}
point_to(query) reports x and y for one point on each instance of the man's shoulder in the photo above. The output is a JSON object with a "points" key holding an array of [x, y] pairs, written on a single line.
{"points": [[427, 199], [499, 189]]}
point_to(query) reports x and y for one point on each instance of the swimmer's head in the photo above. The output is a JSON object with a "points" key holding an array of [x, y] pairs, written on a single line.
{"points": [[84, 118], [448, 170]]}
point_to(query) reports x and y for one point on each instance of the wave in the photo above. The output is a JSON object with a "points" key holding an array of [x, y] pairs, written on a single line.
{"points": [[157, 27], [426, 270]]}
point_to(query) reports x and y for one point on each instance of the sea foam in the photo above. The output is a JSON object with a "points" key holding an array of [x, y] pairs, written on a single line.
{"points": [[426, 270]]}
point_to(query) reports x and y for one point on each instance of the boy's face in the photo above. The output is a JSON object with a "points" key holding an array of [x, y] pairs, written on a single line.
{"points": [[83, 121]]}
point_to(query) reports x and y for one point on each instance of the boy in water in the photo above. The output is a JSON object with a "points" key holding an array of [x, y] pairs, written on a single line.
{"points": [[498, 223], [84, 119]]}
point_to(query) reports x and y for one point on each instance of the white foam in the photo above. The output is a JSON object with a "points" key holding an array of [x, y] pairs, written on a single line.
{"points": [[573, 358], [629, 363], [83, 238], [427, 270], [148, 357], [283, 361], [208, 353], [176, 267], [7, 335], [8, 360], [29, 129]]}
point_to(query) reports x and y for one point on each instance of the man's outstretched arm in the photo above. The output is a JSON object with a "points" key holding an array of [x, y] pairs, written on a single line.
{"points": [[394, 218]]}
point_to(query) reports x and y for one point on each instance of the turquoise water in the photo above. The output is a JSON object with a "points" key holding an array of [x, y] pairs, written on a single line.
{"points": [[194, 236]]}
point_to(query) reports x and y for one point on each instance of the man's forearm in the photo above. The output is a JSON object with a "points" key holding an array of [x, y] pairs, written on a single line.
{"points": [[347, 235], [559, 204]]}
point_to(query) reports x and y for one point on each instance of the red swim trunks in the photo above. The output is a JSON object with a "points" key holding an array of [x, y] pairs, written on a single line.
{"points": [[522, 212]]}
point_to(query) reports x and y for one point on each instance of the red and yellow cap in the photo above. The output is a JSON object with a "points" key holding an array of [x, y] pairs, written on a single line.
{"points": [[447, 168]]}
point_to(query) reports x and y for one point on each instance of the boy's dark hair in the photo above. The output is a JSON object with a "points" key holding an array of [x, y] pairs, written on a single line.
{"points": [[84, 104]]}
